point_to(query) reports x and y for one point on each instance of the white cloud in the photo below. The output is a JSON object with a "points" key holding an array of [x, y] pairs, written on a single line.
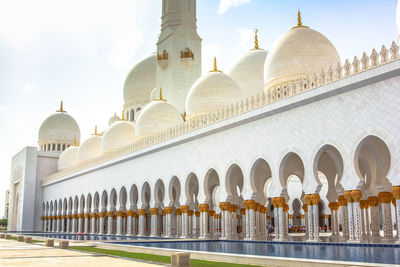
{"points": [[224, 5]]}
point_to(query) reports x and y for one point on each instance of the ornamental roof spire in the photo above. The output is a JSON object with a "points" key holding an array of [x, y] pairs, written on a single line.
{"points": [[215, 69], [160, 97], [95, 130], [255, 39], [299, 24], [61, 108]]}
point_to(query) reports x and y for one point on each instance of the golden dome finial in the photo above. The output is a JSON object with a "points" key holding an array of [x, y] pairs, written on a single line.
{"points": [[61, 107], [215, 69], [299, 24], [255, 38], [123, 116], [160, 97], [95, 130], [75, 144]]}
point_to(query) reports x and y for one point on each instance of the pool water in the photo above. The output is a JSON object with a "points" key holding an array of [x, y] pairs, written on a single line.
{"points": [[88, 236], [371, 253]]}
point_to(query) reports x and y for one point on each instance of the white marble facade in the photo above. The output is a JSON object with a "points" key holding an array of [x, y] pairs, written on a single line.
{"points": [[228, 173]]}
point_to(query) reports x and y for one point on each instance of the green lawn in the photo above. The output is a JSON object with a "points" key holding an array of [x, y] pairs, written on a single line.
{"points": [[155, 258], [33, 241]]}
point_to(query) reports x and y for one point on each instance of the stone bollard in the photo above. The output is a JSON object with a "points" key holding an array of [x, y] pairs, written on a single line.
{"points": [[20, 238], [63, 244], [8, 236], [49, 243], [180, 259], [28, 239], [2, 235]]}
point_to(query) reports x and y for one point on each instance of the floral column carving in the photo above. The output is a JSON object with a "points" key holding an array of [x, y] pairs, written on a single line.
{"points": [[350, 216], [374, 220], [356, 196], [315, 198], [345, 221], [385, 198], [396, 195]]}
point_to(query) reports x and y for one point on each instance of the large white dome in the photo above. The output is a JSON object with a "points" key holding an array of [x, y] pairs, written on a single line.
{"points": [[298, 53], [211, 92], [60, 128], [157, 116], [90, 148], [248, 72], [68, 158], [140, 81], [118, 134]]}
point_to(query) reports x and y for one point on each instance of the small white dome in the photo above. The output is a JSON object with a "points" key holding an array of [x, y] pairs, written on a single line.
{"points": [[140, 81], [119, 134], [157, 116], [113, 119], [298, 53], [68, 158], [248, 72], [212, 92], [59, 127], [90, 148]]}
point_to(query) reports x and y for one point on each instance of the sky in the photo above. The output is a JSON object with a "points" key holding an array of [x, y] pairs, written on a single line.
{"points": [[81, 51]]}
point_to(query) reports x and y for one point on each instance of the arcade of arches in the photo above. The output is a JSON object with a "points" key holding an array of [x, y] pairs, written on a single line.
{"points": [[369, 212]]}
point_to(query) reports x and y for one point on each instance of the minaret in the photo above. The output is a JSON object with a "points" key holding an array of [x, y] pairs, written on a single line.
{"points": [[179, 51]]}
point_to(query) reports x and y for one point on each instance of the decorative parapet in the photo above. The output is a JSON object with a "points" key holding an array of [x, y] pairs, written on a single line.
{"points": [[187, 58], [334, 73]]}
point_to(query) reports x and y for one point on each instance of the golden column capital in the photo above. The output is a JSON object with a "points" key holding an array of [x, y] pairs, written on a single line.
{"points": [[285, 207], [234, 207], [204, 207], [290, 216], [224, 206], [185, 208], [315, 199], [307, 198], [129, 213], [154, 211], [142, 212], [93, 215], [356, 195], [211, 213], [243, 211], [168, 210], [373, 201], [197, 213], [280, 201], [110, 214], [385, 197], [119, 213], [348, 197], [342, 201], [396, 191], [191, 212], [86, 215], [326, 216], [178, 212], [305, 207]]}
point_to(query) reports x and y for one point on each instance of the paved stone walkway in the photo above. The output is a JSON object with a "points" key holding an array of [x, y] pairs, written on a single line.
{"points": [[13, 253]]}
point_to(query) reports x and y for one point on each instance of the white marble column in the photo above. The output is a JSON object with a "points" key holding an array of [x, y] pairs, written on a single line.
{"points": [[59, 223], [315, 199], [74, 223], [119, 227], [86, 222], [276, 219], [63, 223], [129, 215], [178, 213], [154, 222], [396, 195], [204, 208], [234, 224], [101, 222], [356, 196], [135, 224], [385, 198], [110, 223], [142, 222], [68, 216], [93, 223], [310, 218], [343, 210], [250, 206], [196, 224], [350, 215]]}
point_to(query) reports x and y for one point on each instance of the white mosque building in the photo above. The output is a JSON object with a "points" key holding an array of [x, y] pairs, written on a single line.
{"points": [[290, 137]]}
